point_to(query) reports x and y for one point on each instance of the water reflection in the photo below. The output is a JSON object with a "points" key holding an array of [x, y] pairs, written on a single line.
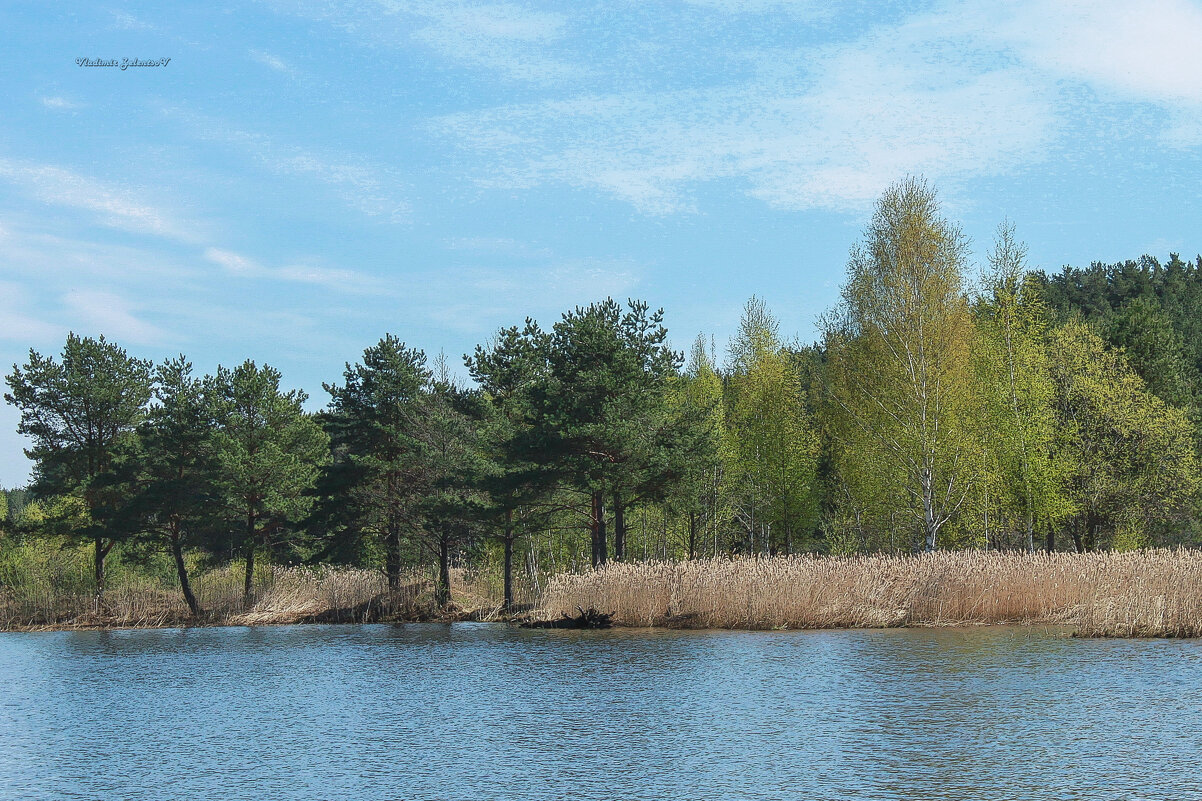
{"points": [[473, 711]]}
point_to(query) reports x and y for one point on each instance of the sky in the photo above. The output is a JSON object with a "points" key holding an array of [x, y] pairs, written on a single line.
{"points": [[290, 181]]}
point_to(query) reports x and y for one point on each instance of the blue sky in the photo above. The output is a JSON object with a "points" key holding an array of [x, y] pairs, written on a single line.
{"points": [[302, 177]]}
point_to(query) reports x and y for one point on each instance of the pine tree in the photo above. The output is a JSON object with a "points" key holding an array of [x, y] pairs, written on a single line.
{"points": [[372, 489], [268, 453], [81, 413]]}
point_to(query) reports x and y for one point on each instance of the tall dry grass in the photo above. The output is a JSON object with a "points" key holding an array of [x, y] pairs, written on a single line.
{"points": [[281, 595], [1144, 593]]}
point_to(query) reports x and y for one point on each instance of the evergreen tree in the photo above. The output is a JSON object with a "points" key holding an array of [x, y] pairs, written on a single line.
{"points": [[372, 488], [454, 467], [506, 371], [81, 413], [600, 414], [268, 453], [172, 504]]}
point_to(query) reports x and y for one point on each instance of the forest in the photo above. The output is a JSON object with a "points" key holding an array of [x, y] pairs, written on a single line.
{"points": [[943, 407]]}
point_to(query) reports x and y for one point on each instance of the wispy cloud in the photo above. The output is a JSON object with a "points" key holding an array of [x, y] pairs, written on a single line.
{"points": [[498, 246], [1146, 51], [501, 36], [273, 62], [833, 136], [957, 91], [108, 313], [60, 103], [236, 264], [507, 40], [368, 187], [123, 20], [110, 204], [1137, 52]]}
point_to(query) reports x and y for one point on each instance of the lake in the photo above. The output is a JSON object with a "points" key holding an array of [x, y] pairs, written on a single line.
{"points": [[478, 711]]}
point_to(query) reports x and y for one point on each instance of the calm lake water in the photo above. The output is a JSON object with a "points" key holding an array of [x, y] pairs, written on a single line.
{"points": [[476, 711]]}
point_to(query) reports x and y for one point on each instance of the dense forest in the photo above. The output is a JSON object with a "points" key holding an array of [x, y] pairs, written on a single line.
{"points": [[1014, 410]]}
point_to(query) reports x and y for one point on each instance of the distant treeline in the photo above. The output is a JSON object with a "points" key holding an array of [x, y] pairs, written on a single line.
{"points": [[1028, 411]]}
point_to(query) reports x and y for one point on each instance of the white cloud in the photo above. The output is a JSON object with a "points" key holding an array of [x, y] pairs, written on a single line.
{"points": [[498, 246], [241, 266], [273, 62], [362, 185], [1143, 52], [1147, 50], [111, 205], [108, 313], [60, 103], [128, 22], [506, 40], [957, 91], [831, 136], [806, 7]]}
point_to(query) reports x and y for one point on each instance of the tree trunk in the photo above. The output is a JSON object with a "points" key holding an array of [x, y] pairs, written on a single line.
{"points": [[1030, 525], [442, 592], [181, 570], [392, 557], [98, 565], [1093, 524], [1051, 543], [928, 510], [1077, 541], [248, 581], [597, 525], [619, 529], [692, 535], [508, 560]]}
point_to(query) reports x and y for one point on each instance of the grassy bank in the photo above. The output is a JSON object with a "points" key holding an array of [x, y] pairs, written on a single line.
{"points": [[1145, 593], [1138, 594], [59, 596]]}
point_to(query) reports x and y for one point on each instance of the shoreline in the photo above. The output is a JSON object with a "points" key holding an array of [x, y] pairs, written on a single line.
{"points": [[1138, 594], [1067, 629]]}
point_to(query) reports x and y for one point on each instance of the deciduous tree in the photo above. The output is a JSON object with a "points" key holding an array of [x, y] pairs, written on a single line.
{"points": [[898, 348]]}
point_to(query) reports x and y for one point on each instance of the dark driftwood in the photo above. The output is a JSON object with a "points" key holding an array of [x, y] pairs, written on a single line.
{"points": [[587, 619]]}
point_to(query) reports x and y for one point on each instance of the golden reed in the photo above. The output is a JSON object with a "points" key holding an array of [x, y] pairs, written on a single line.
{"points": [[1154, 593], [281, 595]]}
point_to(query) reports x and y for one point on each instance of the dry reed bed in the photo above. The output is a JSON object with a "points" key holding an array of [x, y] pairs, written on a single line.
{"points": [[281, 595], [1146, 593]]}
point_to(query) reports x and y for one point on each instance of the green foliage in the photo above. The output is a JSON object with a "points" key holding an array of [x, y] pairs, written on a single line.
{"points": [[81, 413], [1021, 481], [1132, 458], [268, 453], [370, 490], [600, 413], [900, 382], [1041, 406], [773, 445]]}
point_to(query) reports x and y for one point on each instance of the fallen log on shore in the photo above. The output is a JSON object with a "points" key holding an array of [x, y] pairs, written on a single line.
{"points": [[587, 619]]}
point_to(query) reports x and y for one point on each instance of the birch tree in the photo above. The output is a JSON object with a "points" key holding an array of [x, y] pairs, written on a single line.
{"points": [[773, 441], [898, 345], [1017, 391]]}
